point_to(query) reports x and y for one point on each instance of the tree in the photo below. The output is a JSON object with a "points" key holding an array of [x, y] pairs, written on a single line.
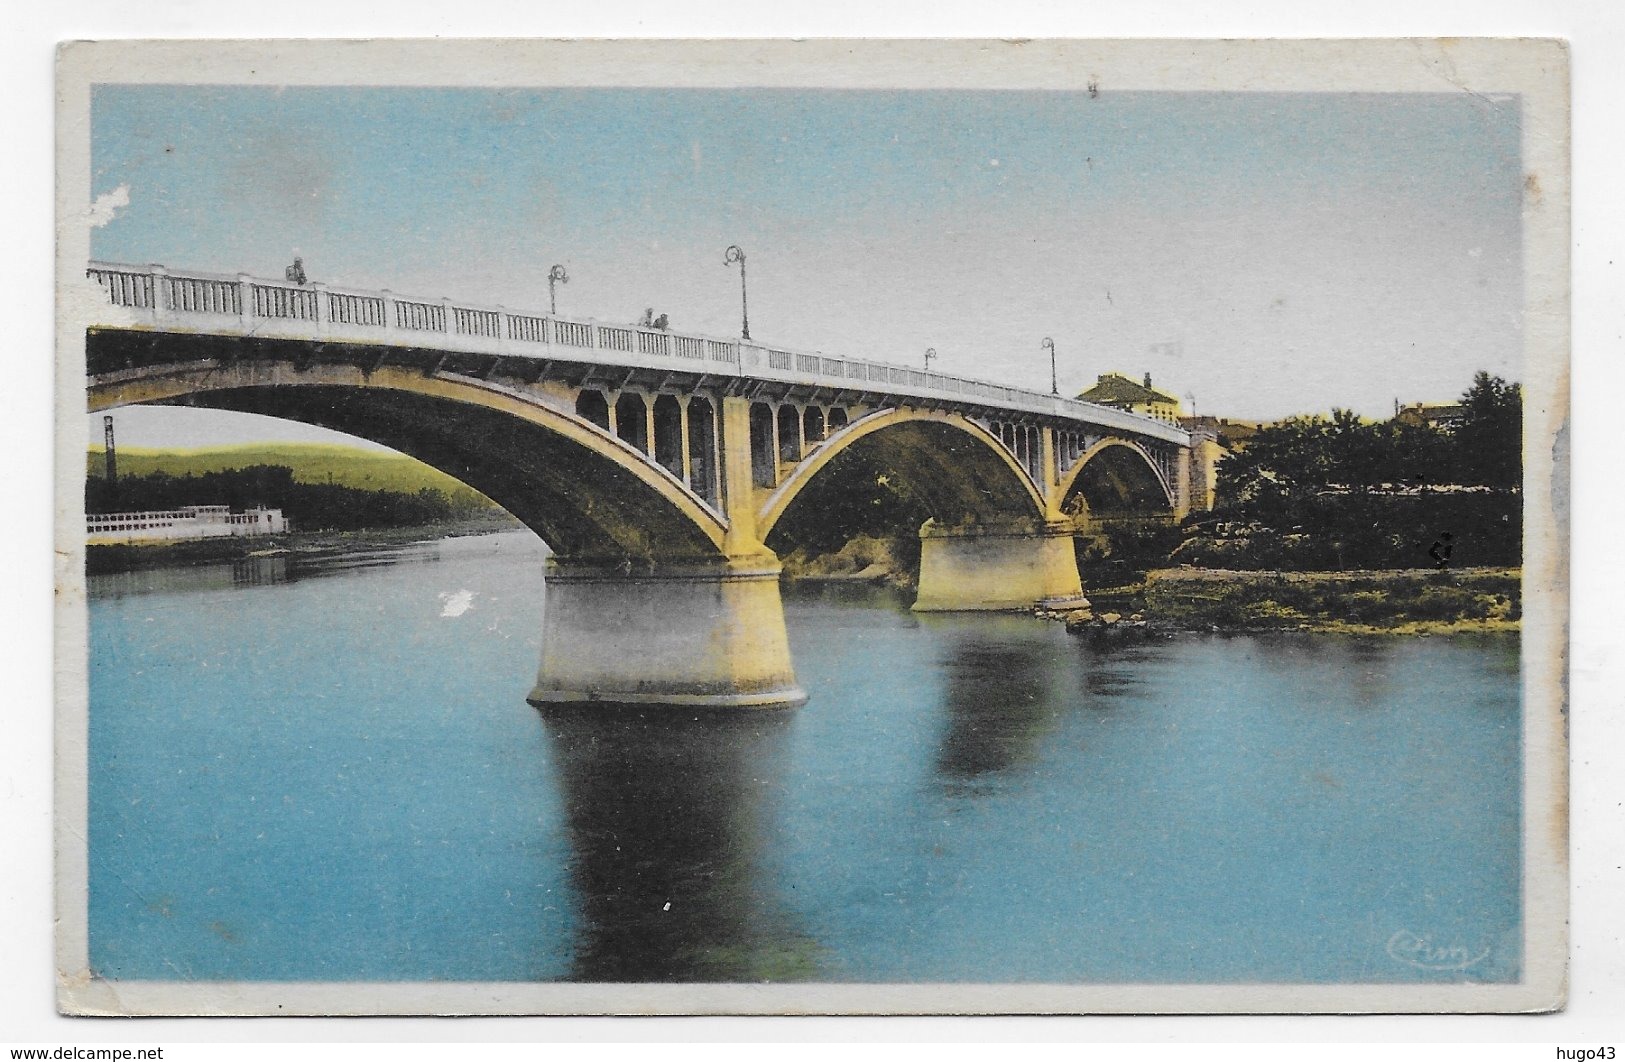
{"points": [[1488, 439], [1319, 491]]}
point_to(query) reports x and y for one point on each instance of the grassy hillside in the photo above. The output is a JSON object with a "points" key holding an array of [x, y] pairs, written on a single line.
{"points": [[342, 466]]}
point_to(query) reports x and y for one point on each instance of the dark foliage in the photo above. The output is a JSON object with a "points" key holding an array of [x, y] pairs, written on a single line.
{"points": [[1286, 462], [1339, 493], [1119, 552], [1363, 530], [855, 497], [1488, 441]]}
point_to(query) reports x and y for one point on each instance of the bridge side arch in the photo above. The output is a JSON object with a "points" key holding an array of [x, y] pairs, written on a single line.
{"points": [[587, 493], [961, 471], [1116, 476]]}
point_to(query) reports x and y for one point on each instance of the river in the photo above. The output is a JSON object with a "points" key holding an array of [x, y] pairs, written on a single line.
{"points": [[326, 770]]}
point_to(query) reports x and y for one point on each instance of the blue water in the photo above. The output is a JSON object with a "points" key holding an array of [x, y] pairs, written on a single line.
{"points": [[327, 770]]}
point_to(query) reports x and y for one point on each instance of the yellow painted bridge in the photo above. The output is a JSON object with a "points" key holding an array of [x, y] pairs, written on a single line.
{"points": [[657, 465]]}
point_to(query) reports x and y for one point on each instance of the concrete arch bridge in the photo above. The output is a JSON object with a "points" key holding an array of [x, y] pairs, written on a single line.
{"points": [[655, 464]]}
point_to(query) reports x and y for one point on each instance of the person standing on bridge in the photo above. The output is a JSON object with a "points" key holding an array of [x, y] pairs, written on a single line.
{"points": [[295, 274]]}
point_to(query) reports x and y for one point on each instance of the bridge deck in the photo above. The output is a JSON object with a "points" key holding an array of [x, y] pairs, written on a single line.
{"points": [[155, 297]]}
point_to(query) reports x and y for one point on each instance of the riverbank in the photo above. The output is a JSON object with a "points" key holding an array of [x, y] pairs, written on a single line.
{"points": [[1408, 601], [112, 559], [1397, 601], [1412, 601]]}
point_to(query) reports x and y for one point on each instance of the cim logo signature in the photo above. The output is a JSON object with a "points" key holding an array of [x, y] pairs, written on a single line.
{"points": [[1424, 954]]}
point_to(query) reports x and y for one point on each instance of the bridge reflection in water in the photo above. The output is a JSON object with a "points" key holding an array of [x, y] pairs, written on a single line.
{"points": [[676, 822], [1001, 702], [672, 817]]}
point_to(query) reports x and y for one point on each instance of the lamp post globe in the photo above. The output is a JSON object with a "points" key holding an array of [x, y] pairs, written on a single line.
{"points": [[555, 276], [733, 254]]}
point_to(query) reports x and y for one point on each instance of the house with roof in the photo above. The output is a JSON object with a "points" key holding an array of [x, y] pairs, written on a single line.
{"points": [[1441, 415], [1232, 434], [1118, 391]]}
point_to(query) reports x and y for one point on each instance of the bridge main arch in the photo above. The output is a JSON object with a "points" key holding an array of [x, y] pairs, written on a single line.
{"points": [[645, 601], [586, 493]]}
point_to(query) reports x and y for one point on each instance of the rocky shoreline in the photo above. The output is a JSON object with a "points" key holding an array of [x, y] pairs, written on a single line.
{"points": [[1083, 620], [1419, 602]]}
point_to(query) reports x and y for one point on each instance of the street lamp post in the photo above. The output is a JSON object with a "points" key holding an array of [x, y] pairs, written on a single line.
{"points": [[1054, 383], [930, 352], [555, 276], [729, 257]]}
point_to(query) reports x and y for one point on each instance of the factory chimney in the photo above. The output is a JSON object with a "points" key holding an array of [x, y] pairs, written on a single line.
{"points": [[109, 449]]}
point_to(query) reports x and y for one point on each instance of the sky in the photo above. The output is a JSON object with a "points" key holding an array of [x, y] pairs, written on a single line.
{"points": [[1259, 254]]}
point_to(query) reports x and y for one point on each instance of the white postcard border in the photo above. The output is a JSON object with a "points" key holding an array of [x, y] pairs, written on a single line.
{"points": [[1535, 70]]}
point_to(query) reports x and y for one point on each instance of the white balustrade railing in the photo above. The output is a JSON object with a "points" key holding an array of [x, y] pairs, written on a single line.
{"points": [[612, 338], [527, 329], [289, 303], [273, 307], [199, 295], [573, 334], [125, 287], [364, 311], [420, 316], [477, 322]]}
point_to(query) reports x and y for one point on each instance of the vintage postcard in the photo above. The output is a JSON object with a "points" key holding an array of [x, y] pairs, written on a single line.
{"points": [[638, 527]]}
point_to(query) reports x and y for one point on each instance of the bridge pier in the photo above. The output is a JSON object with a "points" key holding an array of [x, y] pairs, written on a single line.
{"points": [[709, 634], [998, 568]]}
